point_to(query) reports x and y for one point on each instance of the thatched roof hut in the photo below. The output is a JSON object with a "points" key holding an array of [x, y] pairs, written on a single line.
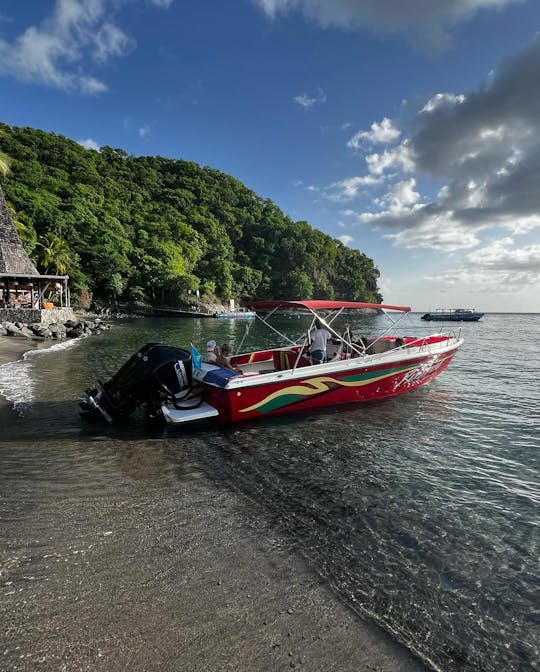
{"points": [[22, 288]]}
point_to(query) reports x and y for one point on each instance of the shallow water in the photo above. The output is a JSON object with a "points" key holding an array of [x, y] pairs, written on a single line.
{"points": [[421, 511]]}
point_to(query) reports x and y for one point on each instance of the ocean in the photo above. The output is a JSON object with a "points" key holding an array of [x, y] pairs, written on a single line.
{"points": [[420, 512]]}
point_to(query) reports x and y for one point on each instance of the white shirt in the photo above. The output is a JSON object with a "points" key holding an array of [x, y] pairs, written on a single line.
{"points": [[319, 338], [210, 357]]}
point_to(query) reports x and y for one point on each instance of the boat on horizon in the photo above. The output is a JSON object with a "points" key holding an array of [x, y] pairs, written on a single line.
{"points": [[175, 385], [453, 315]]}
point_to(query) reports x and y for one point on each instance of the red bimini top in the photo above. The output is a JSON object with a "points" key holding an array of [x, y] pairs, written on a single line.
{"points": [[323, 304]]}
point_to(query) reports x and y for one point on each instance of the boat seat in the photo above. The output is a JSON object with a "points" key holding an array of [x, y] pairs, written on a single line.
{"points": [[286, 359], [335, 354]]}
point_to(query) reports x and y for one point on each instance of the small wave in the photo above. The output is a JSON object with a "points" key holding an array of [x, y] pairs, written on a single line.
{"points": [[16, 383]]}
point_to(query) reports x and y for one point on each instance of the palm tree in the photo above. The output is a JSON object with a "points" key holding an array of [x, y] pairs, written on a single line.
{"points": [[55, 254], [4, 164]]}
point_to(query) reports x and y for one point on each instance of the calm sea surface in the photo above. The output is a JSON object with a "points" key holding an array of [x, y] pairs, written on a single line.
{"points": [[421, 512]]}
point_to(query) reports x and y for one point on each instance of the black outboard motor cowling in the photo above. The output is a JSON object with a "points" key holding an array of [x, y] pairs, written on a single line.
{"points": [[154, 374]]}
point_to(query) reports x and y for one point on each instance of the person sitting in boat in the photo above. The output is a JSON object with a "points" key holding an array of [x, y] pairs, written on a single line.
{"points": [[319, 340], [224, 359], [211, 352], [398, 343]]}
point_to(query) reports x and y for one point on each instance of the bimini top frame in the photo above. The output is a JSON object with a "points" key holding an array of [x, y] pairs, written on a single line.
{"points": [[335, 308]]}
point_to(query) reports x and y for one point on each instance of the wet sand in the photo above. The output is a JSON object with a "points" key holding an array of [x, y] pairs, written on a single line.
{"points": [[12, 348], [185, 576]]}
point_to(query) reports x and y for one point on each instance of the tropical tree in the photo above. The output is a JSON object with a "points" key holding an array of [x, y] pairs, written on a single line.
{"points": [[4, 164], [54, 254]]}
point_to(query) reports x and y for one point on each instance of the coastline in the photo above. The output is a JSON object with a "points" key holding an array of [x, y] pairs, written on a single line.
{"points": [[228, 598], [12, 349]]}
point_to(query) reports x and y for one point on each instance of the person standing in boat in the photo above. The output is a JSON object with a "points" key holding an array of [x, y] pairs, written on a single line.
{"points": [[319, 340]]}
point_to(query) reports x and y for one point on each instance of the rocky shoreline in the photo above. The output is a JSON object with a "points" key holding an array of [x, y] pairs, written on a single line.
{"points": [[55, 330]]}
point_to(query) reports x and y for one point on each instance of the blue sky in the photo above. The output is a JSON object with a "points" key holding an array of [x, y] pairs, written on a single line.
{"points": [[409, 130]]}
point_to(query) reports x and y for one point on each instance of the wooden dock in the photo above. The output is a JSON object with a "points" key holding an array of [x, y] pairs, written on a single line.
{"points": [[180, 312]]}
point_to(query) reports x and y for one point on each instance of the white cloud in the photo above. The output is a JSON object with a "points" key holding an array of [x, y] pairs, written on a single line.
{"points": [[58, 53], [51, 53], [441, 100], [347, 213], [502, 256], [484, 146], [162, 3], [307, 101], [425, 20], [400, 157], [345, 239], [144, 131], [422, 226], [91, 85], [109, 41], [401, 196], [89, 144], [499, 267], [382, 133], [349, 188]]}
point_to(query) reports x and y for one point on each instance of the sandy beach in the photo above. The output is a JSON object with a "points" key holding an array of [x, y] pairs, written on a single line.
{"points": [[12, 348], [206, 589]]}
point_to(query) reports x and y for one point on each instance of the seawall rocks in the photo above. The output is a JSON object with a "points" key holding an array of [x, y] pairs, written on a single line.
{"points": [[55, 330]]}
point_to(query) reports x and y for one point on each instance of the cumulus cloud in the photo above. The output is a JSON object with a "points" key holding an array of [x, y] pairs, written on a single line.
{"points": [[441, 100], [500, 266], [427, 20], [144, 131], [89, 144], [401, 195], [382, 133], [484, 147], [345, 239], [306, 101], [400, 157], [77, 36], [349, 188]]}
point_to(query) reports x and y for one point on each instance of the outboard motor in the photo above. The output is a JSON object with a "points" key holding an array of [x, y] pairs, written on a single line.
{"points": [[153, 375]]}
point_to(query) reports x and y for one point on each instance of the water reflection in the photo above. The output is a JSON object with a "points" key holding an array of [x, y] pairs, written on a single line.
{"points": [[420, 511]]}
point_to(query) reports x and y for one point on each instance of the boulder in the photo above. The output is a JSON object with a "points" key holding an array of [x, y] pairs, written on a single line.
{"points": [[11, 329], [57, 329], [40, 330], [25, 332], [75, 331]]}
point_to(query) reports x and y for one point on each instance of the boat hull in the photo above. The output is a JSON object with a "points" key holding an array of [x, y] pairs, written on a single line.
{"points": [[317, 388], [452, 317]]}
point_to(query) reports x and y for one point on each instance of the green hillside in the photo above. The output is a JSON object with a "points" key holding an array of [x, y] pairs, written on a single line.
{"points": [[153, 229]]}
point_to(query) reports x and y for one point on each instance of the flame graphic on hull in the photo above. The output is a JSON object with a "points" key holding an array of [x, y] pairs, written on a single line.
{"points": [[320, 385]]}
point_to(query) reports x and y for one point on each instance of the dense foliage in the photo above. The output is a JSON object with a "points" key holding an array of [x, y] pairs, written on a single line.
{"points": [[157, 229]]}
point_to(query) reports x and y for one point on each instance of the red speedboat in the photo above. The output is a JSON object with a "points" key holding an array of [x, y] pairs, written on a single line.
{"points": [[175, 385]]}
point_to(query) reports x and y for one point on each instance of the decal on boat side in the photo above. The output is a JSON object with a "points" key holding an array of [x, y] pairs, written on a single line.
{"points": [[321, 385], [417, 374]]}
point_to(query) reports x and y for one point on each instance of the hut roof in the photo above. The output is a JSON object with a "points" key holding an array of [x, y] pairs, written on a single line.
{"points": [[13, 258]]}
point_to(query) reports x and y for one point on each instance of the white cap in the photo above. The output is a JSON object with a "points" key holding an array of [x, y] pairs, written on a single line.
{"points": [[210, 345]]}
